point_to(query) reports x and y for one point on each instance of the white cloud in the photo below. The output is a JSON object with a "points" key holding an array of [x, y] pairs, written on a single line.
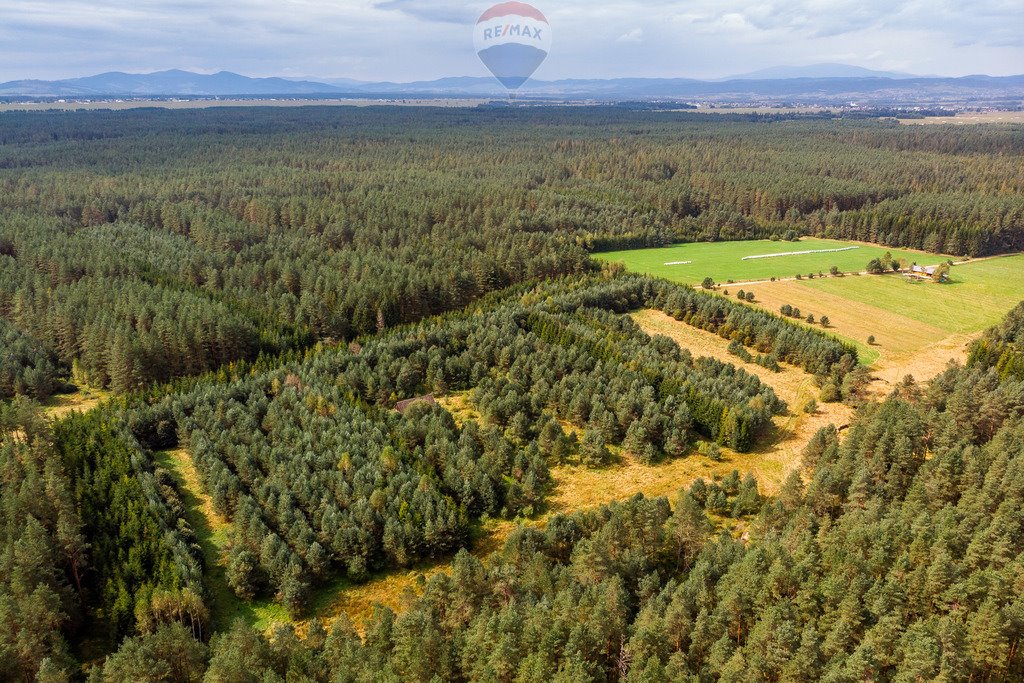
{"points": [[418, 39], [634, 36]]}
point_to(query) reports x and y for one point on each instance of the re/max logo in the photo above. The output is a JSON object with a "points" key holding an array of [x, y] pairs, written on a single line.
{"points": [[512, 30]]}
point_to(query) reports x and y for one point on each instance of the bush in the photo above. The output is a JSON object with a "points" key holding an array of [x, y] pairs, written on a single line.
{"points": [[830, 392], [593, 451], [710, 450]]}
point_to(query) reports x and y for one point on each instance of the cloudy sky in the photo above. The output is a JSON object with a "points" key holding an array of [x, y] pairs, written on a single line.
{"points": [[407, 40]]}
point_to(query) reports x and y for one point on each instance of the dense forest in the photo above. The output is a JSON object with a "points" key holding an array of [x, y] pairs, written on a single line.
{"points": [[893, 555], [297, 297], [144, 245], [321, 476], [27, 366], [375, 488], [897, 558]]}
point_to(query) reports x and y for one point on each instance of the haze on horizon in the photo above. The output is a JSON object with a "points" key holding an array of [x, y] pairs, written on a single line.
{"points": [[406, 40]]}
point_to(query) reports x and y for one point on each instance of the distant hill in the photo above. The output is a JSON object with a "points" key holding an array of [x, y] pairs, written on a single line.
{"points": [[818, 71], [173, 82], [775, 85]]}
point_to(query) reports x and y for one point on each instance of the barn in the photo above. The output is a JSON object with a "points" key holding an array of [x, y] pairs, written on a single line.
{"points": [[928, 272]]}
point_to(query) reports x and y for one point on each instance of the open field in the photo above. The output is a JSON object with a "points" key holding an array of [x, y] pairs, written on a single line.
{"points": [[902, 346], [724, 261], [918, 326], [968, 118], [978, 297]]}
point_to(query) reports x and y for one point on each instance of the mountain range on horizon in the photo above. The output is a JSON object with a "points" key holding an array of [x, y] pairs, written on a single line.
{"points": [[823, 70], [822, 81]]}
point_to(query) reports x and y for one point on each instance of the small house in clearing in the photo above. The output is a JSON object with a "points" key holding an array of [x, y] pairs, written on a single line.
{"points": [[937, 273], [403, 406]]}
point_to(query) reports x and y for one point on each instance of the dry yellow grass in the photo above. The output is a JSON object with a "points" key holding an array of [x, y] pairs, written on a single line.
{"points": [[83, 400], [395, 588], [904, 346], [459, 406], [778, 454]]}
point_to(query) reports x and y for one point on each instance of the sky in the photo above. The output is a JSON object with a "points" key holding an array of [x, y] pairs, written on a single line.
{"points": [[407, 40]]}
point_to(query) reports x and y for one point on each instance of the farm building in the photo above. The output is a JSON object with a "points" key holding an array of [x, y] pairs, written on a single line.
{"points": [[929, 272]]}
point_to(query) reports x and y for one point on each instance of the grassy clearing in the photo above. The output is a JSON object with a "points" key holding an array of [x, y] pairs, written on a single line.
{"points": [[393, 588], [460, 407], [723, 261], [919, 327], [82, 401], [212, 530], [897, 336], [979, 296]]}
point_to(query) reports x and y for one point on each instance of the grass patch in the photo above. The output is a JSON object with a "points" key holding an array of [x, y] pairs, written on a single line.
{"points": [[723, 261], [980, 294], [212, 532], [82, 400]]}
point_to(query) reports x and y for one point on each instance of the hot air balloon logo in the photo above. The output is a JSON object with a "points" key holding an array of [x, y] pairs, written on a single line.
{"points": [[512, 39]]}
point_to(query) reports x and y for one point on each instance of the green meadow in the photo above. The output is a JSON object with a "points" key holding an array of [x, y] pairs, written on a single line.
{"points": [[723, 261], [978, 297]]}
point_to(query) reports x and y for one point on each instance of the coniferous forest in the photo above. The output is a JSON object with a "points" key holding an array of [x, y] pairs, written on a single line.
{"points": [[291, 295]]}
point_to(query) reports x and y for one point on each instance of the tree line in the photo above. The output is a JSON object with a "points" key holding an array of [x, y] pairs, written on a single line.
{"points": [[1002, 347]]}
